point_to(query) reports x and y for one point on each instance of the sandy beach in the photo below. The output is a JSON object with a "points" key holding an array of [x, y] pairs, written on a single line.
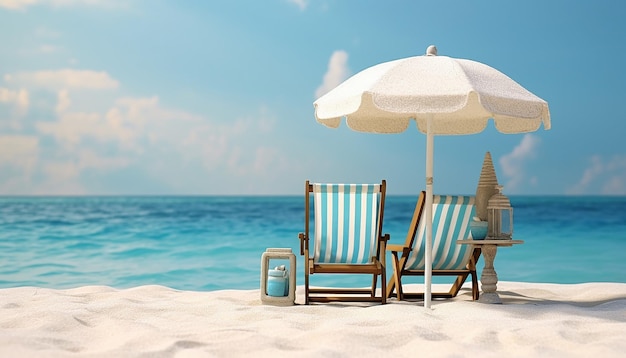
{"points": [[541, 320]]}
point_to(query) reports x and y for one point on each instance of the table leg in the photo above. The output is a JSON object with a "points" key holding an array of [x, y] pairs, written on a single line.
{"points": [[489, 278]]}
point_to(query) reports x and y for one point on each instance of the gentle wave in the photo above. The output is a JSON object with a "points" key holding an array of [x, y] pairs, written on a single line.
{"points": [[209, 243]]}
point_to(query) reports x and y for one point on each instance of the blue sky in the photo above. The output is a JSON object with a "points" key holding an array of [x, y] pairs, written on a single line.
{"points": [[215, 97]]}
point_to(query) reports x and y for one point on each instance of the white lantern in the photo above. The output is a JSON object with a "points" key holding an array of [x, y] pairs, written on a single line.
{"points": [[500, 216]]}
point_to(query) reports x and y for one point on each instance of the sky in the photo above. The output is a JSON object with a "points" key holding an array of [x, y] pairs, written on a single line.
{"points": [[155, 97]]}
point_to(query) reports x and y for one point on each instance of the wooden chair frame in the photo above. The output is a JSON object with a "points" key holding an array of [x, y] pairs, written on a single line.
{"points": [[376, 268], [400, 254]]}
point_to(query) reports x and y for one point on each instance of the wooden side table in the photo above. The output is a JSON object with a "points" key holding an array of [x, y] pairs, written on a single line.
{"points": [[489, 277]]}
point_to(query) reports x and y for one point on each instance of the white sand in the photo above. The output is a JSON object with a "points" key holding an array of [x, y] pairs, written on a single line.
{"points": [[585, 320]]}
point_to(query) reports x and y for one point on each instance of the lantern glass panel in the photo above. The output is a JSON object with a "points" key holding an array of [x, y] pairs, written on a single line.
{"points": [[506, 223], [493, 216]]}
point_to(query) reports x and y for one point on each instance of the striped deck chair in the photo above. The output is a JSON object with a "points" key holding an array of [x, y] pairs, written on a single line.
{"points": [[451, 219], [348, 220]]}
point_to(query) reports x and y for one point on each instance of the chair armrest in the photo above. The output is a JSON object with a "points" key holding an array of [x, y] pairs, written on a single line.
{"points": [[380, 252], [303, 238], [395, 248]]}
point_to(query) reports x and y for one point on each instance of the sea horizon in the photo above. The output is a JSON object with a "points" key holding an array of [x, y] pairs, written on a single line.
{"points": [[286, 195]]}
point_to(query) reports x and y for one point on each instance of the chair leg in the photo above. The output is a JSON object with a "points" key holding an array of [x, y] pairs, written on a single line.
{"points": [[383, 285], [306, 282], [473, 262], [374, 282], [475, 292], [396, 281], [393, 282], [390, 287]]}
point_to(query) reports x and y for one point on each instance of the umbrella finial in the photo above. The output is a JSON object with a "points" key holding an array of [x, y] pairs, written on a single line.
{"points": [[431, 50]]}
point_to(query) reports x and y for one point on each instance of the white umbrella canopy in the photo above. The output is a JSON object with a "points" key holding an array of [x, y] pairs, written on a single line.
{"points": [[443, 95]]}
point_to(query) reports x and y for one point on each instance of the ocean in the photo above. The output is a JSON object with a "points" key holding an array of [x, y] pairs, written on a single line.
{"points": [[206, 243]]}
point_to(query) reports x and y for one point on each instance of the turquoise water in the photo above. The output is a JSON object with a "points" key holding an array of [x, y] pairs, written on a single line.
{"points": [[211, 243]]}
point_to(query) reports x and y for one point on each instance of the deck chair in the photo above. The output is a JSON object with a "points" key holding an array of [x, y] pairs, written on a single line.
{"points": [[348, 220], [451, 219]]}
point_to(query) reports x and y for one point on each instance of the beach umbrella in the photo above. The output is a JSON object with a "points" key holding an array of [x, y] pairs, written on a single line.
{"points": [[444, 96]]}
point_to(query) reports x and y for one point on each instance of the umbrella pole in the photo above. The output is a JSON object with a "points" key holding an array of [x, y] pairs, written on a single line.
{"points": [[429, 213]]}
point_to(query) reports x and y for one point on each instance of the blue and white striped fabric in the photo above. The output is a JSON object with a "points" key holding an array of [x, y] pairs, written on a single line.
{"points": [[346, 222], [451, 222]]}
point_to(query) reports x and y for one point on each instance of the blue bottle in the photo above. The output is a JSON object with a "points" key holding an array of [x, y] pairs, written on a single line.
{"points": [[278, 282]]}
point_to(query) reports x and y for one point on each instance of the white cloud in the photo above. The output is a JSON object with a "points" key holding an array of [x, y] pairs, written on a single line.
{"points": [[146, 118], [337, 72], [513, 163], [89, 159], [64, 176], [229, 145], [121, 125], [63, 79], [72, 128], [17, 97], [302, 4], [591, 172], [602, 177], [58, 172], [615, 185], [174, 149], [138, 125], [63, 101], [122, 130], [18, 150]]}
